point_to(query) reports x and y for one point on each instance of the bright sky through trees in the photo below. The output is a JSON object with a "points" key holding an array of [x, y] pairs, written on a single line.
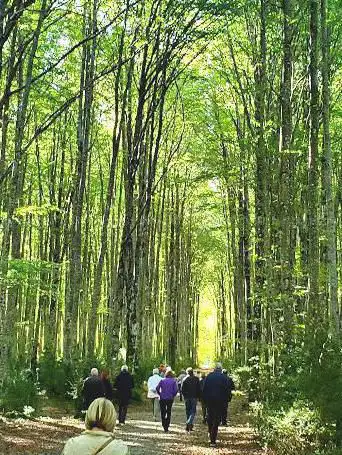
{"points": [[207, 330], [170, 185]]}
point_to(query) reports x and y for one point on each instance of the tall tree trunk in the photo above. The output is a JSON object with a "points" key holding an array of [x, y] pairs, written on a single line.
{"points": [[314, 311], [83, 142], [261, 196], [329, 209], [287, 170], [12, 230]]}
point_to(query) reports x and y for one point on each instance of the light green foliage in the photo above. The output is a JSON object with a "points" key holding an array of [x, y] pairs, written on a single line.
{"points": [[33, 210], [193, 260], [301, 407], [242, 377], [322, 378], [61, 378], [19, 391], [57, 377], [24, 271], [298, 430]]}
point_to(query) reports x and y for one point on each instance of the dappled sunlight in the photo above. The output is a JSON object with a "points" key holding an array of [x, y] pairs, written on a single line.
{"points": [[207, 330], [22, 442], [47, 435]]}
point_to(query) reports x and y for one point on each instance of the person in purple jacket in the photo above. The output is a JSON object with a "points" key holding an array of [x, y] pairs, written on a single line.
{"points": [[167, 389]]}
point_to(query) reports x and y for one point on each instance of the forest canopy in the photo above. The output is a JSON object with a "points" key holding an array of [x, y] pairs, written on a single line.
{"points": [[170, 172]]}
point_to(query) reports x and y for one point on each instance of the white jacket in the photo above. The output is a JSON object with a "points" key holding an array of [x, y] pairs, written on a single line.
{"points": [[152, 383], [90, 440]]}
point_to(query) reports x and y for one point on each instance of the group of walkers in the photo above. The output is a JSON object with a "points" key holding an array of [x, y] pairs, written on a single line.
{"points": [[214, 391], [98, 386], [100, 418]]}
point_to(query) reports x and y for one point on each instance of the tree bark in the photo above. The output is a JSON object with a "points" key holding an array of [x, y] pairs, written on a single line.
{"points": [[314, 311], [328, 197]]}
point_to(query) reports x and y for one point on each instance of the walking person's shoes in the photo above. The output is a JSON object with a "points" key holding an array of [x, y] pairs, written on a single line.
{"points": [[187, 427], [191, 427], [212, 444]]}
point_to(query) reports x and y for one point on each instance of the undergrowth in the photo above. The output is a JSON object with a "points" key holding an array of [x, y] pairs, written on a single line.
{"points": [[297, 408]]}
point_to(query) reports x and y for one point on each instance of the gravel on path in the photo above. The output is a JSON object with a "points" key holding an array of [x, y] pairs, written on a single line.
{"points": [[46, 435]]}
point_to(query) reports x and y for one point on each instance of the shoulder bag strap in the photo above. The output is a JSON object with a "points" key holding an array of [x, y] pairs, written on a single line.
{"points": [[104, 445]]}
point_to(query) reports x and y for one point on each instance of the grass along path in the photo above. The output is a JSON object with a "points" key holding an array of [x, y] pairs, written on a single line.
{"points": [[47, 435]]}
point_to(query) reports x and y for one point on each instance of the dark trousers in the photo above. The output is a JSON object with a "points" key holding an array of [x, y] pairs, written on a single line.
{"points": [[214, 418], [165, 412], [224, 417], [204, 411], [122, 411], [190, 409], [180, 391]]}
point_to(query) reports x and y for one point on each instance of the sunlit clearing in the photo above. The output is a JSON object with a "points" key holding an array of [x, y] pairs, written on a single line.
{"points": [[207, 330]]}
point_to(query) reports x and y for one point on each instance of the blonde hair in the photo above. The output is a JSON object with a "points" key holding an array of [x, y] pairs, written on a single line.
{"points": [[101, 414]]}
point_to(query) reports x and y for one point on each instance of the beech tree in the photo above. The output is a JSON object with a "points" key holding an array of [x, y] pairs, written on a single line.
{"points": [[159, 155]]}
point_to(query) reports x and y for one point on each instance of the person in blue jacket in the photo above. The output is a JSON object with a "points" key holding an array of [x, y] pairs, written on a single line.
{"points": [[224, 419], [216, 389]]}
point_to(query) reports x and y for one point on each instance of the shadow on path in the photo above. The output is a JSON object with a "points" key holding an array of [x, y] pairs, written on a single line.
{"points": [[142, 434], [145, 437]]}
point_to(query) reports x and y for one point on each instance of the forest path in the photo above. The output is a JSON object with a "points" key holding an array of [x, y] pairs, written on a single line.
{"points": [[143, 435], [146, 437]]}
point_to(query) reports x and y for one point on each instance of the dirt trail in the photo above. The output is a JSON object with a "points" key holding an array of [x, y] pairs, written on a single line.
{"points": [[145, 437]]}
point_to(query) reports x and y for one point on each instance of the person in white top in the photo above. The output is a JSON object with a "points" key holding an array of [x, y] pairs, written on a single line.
{"points": [[98, 439], [152, 383]]}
